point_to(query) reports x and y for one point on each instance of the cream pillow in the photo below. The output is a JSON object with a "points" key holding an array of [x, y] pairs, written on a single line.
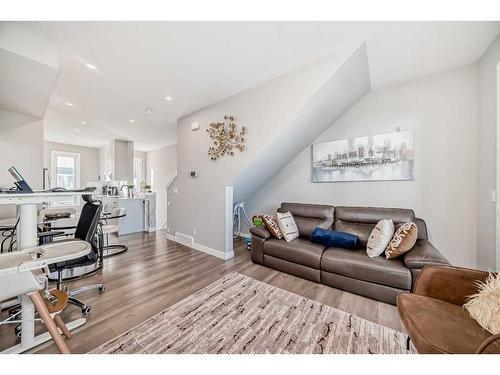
{"points": [[287, 226], [484, 307], [379, 238]]}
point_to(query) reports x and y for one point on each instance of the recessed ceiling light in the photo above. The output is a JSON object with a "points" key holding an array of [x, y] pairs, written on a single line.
{"points": [[76, 130], [168, 98], [83, 122], [91, 66], [70, 104], [149, 111], [131, 121]]}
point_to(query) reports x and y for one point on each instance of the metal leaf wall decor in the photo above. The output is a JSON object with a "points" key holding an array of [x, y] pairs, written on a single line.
{"points": [[226, 138]]}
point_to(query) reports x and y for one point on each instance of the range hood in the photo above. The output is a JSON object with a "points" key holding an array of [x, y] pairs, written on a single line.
{"points": [[116, 161]]}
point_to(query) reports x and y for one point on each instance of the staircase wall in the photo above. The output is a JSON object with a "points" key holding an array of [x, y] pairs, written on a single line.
{"points": [[281, 116], [441, 111]]}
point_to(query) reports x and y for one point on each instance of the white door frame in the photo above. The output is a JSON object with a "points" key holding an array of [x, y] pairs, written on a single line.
{"points": [[228, 218], [497, 216]]}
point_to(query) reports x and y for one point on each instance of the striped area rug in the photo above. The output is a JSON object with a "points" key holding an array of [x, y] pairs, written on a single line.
{"points": [[237, 314]]}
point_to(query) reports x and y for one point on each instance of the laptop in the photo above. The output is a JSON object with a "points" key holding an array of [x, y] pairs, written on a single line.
{"points": [[24, 188]]}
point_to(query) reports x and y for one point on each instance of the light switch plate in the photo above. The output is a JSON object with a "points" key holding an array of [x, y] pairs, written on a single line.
{"points": [[195, 125], [175, 190]]}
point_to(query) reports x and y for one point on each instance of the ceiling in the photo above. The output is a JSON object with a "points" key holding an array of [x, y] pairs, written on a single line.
{"points": [[138, 64]]}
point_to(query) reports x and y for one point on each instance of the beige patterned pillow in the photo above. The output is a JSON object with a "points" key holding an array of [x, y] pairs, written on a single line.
{"points": [[272, 226], [484, 307], [287, 226], [379, 238], [403, 241]]}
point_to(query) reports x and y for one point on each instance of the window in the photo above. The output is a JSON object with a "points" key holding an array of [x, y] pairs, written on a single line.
{"points": [[65, 173], [137, 173]]}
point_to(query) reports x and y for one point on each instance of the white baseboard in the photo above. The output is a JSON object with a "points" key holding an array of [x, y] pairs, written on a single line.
{"points": [[184, 239], [189, 242]]}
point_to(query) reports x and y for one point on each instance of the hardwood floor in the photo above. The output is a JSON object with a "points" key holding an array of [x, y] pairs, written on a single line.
{"points": [[155, 273]]}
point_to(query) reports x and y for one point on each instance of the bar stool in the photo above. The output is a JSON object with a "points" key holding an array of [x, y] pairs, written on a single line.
{"points": [[109, 226], [8, 234]]}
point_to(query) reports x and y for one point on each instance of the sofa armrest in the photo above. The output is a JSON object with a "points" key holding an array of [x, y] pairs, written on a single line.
{"points": [[261, 232], [448, 283], [423, 254], [490, 346]]}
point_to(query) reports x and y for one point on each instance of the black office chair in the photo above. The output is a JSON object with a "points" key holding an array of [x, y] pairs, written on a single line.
{"points": [[86, 230]]}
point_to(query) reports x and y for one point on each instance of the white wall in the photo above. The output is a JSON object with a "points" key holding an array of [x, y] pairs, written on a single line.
{"points": [[267, 111], [89, 160], [486, 158], [441, 110], [161, 168], [29, 68], [21, 145]]}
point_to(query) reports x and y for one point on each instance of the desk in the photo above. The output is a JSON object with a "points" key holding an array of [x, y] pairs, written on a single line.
{"points": [[27, 237]]}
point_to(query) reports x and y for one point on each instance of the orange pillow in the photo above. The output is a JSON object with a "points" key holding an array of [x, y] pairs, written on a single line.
{"points": [[403, 240]]}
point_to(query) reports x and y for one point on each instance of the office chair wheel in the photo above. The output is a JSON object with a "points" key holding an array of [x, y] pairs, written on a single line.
{"points": [[86, 310], [102, 289], [18, 330], [13, 311]]}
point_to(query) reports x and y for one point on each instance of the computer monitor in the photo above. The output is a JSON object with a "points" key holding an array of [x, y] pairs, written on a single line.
{"points": [[22, 185]]}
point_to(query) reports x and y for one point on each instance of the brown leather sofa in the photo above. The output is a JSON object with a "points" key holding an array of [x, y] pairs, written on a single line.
{"points": [[434, 317], [350, 270]]}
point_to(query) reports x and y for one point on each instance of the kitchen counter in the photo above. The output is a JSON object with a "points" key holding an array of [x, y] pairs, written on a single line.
{"points": [[140, 211], [119, 197]]}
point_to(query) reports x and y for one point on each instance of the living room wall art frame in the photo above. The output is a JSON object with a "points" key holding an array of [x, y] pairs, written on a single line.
{"points": [[382, 157]]}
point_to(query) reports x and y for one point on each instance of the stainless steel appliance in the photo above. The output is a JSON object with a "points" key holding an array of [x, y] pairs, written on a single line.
{"points": [[110, 190]]}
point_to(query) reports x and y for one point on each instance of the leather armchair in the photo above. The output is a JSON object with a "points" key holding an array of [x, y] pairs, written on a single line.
{"points": [[434, 317]]}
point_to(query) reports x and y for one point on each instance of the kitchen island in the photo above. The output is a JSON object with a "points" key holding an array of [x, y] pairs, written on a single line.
{"points": [[140, 212]]}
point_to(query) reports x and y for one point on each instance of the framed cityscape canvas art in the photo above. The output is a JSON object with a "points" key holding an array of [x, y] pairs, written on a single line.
{"points": [[381, 157]]}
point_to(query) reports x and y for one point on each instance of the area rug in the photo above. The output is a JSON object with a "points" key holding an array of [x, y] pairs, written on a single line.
{"points": [[237, 314]]}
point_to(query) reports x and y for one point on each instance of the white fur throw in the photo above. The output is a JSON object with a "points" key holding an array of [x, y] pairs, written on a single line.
{"points": [[484, 307]]}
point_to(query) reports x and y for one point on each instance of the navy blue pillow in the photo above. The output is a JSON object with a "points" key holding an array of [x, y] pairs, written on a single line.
{"points": [[331, 238]]}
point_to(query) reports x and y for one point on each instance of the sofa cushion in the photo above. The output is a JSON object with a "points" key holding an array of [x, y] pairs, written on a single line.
{"points": [[358, 265], [360, 221], [309, 216], [287, 226], [372, 215], [440, 327], [403, 241], [272, 226], [330, 238], [379, 238], [300, 251]]}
